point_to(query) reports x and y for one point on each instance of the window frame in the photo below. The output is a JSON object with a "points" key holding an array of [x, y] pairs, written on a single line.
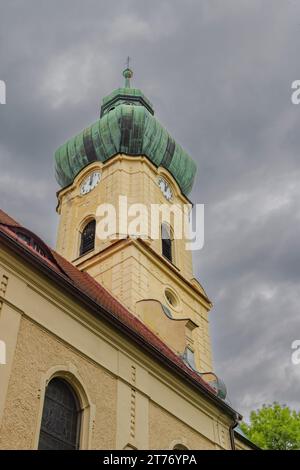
{"points": [[88, 409], [77, 410], [169, 240], [81, 241]]}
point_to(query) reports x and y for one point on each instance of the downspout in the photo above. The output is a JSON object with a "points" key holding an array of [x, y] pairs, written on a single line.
{"points": [[231, 432]]}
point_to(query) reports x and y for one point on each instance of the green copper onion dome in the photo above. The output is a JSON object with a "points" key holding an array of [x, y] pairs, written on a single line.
{"points": [[127, 125]]}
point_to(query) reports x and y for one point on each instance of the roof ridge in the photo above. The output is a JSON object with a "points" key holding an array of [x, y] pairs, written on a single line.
{"points": [[7, 219]]}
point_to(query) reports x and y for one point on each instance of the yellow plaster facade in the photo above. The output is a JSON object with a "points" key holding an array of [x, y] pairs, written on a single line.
{"points": [[127, 398], [134, 269]]}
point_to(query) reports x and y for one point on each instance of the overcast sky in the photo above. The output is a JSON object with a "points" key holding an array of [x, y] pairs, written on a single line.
{"points": [[219, 74]]}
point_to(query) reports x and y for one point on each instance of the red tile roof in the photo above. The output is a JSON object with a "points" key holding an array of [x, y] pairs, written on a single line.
{"points": [[7, 220], [84, 283]]}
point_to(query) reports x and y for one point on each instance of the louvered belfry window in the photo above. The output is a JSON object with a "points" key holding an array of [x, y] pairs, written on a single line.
{"points": [[167, 241], [60, 426], [88, 237]]}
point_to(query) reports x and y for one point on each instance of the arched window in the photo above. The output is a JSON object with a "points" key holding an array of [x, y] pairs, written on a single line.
{"points": [[88, 237], [60, 426], [180, 447], [167, 242]]}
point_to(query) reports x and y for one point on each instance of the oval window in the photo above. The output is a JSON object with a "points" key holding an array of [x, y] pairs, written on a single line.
{"points": [[172, 298]]}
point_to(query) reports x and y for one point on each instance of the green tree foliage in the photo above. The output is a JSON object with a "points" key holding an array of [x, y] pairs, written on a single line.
{"points": [[274, 427]]}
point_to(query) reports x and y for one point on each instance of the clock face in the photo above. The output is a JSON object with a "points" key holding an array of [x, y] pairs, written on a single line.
{"points": [[90, 182], [165, 188]]}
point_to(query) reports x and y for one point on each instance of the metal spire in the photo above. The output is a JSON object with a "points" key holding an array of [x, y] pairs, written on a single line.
{"points": [[127, 73]]}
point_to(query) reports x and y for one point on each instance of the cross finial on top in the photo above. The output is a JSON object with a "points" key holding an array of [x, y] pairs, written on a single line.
{"points": [[127, 73]]}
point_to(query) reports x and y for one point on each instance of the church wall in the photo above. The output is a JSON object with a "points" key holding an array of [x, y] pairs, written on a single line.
{"points": [[166, 431], [38, 352], [131, 274], [134, 177], [51, 333]]}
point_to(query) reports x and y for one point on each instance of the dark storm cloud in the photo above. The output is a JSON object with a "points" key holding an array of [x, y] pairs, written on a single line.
{"points": [[219, 76]]}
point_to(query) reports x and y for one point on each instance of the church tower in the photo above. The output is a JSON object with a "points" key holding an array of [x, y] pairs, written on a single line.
{"points": [[128, 153]]}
